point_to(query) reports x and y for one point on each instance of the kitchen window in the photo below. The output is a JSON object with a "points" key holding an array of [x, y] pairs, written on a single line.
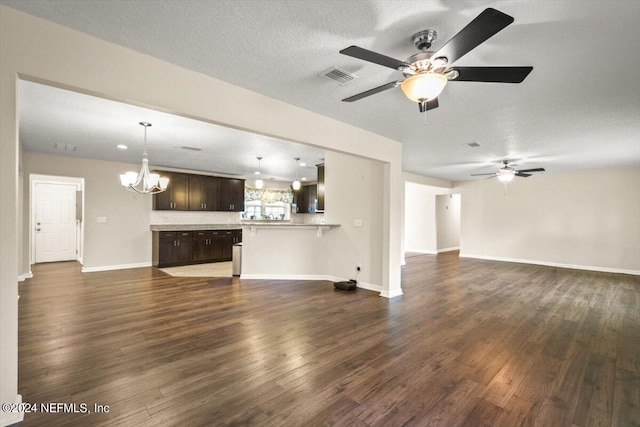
{"points": [[259, 210]]}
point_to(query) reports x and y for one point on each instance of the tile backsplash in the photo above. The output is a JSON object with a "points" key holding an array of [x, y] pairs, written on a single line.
{"points": [[193, 217]]}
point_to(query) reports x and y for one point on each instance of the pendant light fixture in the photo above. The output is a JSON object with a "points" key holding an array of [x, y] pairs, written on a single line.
{"points": [[296, 184], [144, 182], [259, 181]]}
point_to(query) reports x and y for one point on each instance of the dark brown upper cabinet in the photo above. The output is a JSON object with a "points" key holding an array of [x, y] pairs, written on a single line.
{"points": [[306, 199], [230, 194], [187, 192], [176, 196], [203, 193], [320, 190]]}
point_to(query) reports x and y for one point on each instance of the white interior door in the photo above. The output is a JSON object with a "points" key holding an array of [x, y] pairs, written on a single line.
{"points": [[55, 227]]}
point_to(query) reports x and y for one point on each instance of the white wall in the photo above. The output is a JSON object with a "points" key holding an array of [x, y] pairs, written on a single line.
{"points": [[354, 193], [420, 225], [125, 239], [420, 219], [42, 51], [353, 187], [448, 222], [588, 219]]}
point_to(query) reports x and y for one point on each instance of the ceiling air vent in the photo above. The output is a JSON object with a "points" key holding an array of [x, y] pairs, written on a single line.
{"points": [[338, 76], [65, 147], [473, 144]]}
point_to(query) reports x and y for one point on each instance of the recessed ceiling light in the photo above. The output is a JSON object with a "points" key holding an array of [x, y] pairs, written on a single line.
{"points": [[256, 173], [122, 147], [303, 164], [304, 179]]}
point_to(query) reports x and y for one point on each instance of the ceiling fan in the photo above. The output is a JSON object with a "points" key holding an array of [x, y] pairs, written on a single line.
{"points": [[428, 72], [507, 172]]}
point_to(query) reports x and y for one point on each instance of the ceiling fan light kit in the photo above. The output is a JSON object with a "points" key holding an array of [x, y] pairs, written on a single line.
{"points": [[506, 174], [423, 87], [428, 72]]}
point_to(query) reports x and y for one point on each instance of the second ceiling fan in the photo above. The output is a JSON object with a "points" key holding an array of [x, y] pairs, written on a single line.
{"points": [[427, 72], [507, 172]]}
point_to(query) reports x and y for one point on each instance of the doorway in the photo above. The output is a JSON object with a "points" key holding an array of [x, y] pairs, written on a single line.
{"points": [[56, 218], [432, 219]]}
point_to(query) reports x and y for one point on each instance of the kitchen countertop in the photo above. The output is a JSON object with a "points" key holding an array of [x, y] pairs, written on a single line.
{"points": [[193, 227], [236, 226], [285, 224]]}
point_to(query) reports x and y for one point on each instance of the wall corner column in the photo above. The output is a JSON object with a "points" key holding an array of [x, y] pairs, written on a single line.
{"points": [[8, 229], [392, 227]]}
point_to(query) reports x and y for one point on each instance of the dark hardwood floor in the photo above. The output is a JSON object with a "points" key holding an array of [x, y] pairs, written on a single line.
{"points": [[471, 342]]}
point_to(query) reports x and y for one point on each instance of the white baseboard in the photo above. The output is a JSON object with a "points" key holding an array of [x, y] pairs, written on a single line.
{"points": [[370, 287], [391, 294], [115, 267], [453, 248], [420, 251], [80, 260], [23, 277], [553, 264], [9, 418], [287, 277], [363, 285]]}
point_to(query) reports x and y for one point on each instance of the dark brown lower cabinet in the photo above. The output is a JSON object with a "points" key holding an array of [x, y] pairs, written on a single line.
{"points": [[172, 248], [175, 247], [205, 246]]}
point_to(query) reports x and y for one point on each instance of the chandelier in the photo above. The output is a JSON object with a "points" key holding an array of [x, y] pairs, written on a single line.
{"points": [[144, 182]]}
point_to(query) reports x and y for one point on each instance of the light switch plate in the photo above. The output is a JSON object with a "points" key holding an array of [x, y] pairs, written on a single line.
{"points": [[101, 219], [357, 222]]}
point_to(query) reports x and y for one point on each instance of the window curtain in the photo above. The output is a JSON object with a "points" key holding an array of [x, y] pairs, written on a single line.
{"points": [[268, 195]]}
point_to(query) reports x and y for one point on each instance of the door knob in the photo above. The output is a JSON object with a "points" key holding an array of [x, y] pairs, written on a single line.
{"points": [[37, 229]]}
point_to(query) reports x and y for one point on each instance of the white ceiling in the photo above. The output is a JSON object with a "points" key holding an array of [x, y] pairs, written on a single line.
{"points": [[578, 109], [59, 121]]}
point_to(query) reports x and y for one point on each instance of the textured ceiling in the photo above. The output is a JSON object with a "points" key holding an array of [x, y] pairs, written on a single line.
{"points": [[578, 109]]}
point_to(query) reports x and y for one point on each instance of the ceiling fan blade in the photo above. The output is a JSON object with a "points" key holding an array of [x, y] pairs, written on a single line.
{"points": [[376, 58], [481, 174], [371, 92], [524, 175], [492, 74], [531, 170], [484, 26]]}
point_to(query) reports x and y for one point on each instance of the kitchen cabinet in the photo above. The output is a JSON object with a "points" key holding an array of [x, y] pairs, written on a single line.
{"points": [[205, 246], [310, 197], [230, 194], [320, 189], [203, 193], [176, 196], [174, 248], [200, 193], [305, 199], [226, 241], [299, 199]]}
